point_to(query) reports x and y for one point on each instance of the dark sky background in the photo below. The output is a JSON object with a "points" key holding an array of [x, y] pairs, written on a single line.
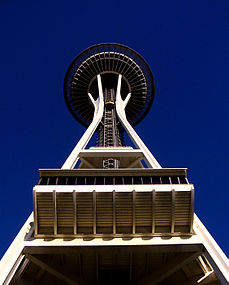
{"points": [[186, 45]]}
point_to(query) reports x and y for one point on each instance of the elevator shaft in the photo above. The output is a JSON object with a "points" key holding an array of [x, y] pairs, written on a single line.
{"points": [[109, 132]]}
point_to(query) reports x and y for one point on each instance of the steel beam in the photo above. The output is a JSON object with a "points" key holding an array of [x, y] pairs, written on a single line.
{"points": [[168, 269], [51, 270]]}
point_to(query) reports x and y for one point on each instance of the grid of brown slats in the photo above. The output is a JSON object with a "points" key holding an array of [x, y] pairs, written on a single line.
{"points": [[113, 213]]}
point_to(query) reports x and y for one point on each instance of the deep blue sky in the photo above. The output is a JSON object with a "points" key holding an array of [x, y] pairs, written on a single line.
{"points": [[186, 45]]}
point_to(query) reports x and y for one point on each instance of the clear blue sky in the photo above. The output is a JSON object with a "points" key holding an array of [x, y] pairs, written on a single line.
{"points": [[186, 45]]}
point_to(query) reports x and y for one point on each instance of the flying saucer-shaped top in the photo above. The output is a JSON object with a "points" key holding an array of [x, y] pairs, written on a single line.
{"points": [[108, 60]]}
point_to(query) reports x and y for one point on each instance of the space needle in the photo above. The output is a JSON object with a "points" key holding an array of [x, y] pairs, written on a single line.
{"points": [[111, 214]]}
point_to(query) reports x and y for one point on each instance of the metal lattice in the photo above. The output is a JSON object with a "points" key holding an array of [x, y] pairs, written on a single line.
{"points": [[109, 132]]}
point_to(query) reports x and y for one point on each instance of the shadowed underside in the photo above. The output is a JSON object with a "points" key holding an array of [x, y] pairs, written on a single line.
{"points": [[108, 60], [115, 265]]}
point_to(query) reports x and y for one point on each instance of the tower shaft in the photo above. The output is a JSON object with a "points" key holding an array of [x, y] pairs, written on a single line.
{"points": [[109, 133]]}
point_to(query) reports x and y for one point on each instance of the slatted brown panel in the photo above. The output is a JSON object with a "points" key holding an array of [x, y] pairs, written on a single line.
{"points": [[143, 212], [65, 213], [45, 213], [113, 212], [84, 205], [124, 212], [163, 212], [182, 211], [104, 212]]}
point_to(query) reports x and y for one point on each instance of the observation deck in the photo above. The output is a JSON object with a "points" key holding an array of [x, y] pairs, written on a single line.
{"points": [[108, 60], [113, 203]]}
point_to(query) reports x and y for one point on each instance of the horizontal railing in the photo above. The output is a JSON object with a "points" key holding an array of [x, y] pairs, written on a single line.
{"points": [[111, 180]]}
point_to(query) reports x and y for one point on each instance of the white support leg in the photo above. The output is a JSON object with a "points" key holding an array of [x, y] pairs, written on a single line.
{"points": [[14, 255], [98, 114], [214, 254], [120, 107]]}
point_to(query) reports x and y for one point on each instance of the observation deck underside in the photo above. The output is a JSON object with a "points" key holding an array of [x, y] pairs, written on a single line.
{"points": [[139, 264], [108, 60]]}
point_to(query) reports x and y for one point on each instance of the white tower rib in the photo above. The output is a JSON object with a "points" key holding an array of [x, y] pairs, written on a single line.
{"points": [[98, 114], [120, 107]]}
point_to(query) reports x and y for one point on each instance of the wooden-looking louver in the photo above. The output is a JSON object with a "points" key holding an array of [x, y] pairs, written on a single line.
{"points": [[89, 212]]}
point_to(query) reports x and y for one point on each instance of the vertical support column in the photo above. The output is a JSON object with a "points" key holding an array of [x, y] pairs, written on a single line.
{"points": [[173, 193], [35, 212], [94, 212], [74, 213], [133, 211], [55, 213], [153, 210], [191, 210], [114, 213]]}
